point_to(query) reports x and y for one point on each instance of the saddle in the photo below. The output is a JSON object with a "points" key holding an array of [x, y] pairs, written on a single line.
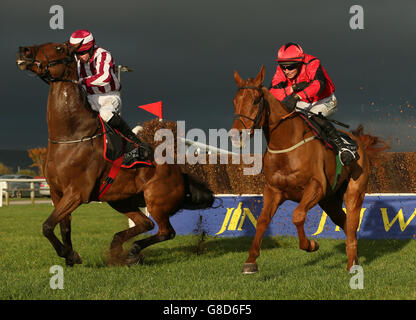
{"points": [[320, 134], [120, 153], [117, 147]]}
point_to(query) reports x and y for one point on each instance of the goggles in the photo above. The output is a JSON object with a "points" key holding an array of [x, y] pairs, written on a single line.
{"points": [[81, 53], [289, 66]]}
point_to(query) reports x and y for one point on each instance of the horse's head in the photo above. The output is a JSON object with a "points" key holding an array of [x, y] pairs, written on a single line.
{"points": [[50, 61], [249, 107]]}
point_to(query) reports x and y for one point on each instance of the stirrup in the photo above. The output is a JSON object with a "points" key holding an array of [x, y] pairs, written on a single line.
{"points": [[349, 144], [346, 156]]}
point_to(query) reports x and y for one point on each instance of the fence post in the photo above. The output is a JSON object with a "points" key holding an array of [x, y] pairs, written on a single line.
{"points": [[1, 194], [32, 192], [7, 193]]}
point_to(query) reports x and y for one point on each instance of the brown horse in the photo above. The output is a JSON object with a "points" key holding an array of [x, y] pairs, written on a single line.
{"points": [[75, 167], [300, 169]]}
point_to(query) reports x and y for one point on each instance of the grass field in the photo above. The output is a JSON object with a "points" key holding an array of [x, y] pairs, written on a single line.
{"points": [[190, 267]]}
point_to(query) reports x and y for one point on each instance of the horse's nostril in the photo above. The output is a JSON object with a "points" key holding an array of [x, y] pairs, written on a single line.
{"points": [[25, 51]]}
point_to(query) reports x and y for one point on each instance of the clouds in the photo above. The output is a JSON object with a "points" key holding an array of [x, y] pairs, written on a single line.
{"points": [[184, 53]]}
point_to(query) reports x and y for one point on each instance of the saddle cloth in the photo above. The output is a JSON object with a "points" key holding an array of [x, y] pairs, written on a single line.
{"points": [[115, 147]]}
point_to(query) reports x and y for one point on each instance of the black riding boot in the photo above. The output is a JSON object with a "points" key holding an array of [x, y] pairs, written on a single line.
{"points": [[119, 124], [345, 149]]}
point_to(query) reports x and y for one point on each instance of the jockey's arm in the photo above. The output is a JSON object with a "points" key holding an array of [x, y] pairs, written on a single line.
{"points": [[279, 88], [317, 85], [101, 74]]}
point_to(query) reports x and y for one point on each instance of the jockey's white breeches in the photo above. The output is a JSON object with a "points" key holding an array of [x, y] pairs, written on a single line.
{"points": [[326, 106], [106, 104]]}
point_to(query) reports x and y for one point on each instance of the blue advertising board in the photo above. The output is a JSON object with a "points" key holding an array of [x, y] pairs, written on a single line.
{"points": [[381, 217]]}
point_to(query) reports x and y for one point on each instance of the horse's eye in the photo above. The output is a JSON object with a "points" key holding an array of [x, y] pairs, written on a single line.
{"points": [[59, 49]]}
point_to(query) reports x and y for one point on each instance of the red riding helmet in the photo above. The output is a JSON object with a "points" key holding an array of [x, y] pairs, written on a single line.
{"points": [[290, 53], [83, 36]]}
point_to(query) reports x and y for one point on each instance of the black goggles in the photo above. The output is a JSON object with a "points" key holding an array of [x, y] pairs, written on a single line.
{"points": [[81, 53], [289, 66]]}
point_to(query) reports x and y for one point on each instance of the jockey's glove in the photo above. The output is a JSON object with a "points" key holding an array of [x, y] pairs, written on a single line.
{"points": [[300, 86], [290, 102]]}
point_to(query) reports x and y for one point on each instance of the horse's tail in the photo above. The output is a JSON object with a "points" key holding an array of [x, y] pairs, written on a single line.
{"points": [[372, 145], [197, 194]]}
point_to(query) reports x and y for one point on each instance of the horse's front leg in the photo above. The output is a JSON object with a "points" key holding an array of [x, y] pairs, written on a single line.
{"points": [[73, 257], [311, 196], [353, 199], [272, 198], [61, 214]]}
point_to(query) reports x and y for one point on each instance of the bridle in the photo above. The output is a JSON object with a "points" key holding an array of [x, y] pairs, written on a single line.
{"points": [[262, 106], [46, 76]]}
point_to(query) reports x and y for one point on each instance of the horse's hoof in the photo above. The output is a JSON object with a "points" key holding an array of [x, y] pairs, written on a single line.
{"points": [[313, 246], [73, 258], [133, 260], [250, 268], [356, 262], [134, 257]]}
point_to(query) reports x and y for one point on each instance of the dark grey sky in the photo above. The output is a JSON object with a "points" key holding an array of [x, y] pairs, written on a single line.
{"points": [[184, 53]]}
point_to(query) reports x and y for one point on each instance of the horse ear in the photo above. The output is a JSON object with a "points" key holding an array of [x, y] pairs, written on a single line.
{"points": [[237, 78], [260, 77]]}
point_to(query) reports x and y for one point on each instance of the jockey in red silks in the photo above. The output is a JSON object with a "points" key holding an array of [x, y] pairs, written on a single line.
{"points": [[97, 75], [301, 82]]}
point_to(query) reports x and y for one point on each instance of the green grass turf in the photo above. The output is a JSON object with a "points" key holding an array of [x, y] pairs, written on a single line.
{"points": [[191, 267]]}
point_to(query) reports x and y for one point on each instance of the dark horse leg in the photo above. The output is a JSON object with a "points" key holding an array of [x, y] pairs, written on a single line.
{"points": [[162, 199], [165, 232], [332, 205], [65, 226], [272, 198], [62, 214], [142, 224], [311, 195], [73, 257]]}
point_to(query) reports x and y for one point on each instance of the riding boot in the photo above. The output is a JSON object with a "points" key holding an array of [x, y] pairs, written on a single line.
{"points": [[116, 122], [345, 149]]}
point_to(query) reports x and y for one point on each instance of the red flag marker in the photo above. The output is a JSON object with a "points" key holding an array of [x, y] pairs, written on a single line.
{"points": [[154, 108]]}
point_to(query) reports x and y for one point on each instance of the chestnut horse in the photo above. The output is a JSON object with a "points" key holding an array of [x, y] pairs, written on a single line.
{"points": [[75, 167], [300, 169]]}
